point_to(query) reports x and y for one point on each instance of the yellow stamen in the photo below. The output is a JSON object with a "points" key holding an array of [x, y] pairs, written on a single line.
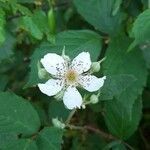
{"points": [[71, 76]]}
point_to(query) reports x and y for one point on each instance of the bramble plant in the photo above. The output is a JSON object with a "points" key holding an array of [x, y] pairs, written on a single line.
{"points": [[67, 75], [75, 74]]}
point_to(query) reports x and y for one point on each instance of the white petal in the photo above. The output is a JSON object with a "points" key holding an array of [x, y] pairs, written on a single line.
{"points": [[82, 62], [54, 64], [91, 83], [72, 98], [51, 87]]}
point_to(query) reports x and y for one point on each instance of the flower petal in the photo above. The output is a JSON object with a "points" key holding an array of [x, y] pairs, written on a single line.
{"points": [[51, 87], [82, 62], [54, 64], [72, 98], [91, 83]]}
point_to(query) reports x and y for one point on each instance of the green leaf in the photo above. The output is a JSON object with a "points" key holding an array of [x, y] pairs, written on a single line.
{"points": [[28, 25], [6, 49], [50, 138], [2, 25], [141, 29], [75, 43], [120, 111], [17, 115], [21, 144], [117, 119], [120, 62], [7, 138], [115, 85], [99, 14], [57, 110]]}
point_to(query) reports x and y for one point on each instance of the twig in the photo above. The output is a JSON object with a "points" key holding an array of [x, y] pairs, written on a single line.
{"points": [[99, 132]]}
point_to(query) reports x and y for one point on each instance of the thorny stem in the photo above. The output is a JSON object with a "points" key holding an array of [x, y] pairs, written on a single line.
{"points": [[99, 132], [70, 116]]}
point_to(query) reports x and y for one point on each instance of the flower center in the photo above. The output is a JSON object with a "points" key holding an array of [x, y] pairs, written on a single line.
{"points": [[71, 76]]}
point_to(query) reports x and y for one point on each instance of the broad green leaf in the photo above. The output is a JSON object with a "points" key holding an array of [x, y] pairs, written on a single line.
{"points": [[77, 41], [74, 41], [120, 62], [117, 119], [30, 26], [141, 29], [120, 111], [57, 110], [17, 115], [21, 144], [2, 24], [50, 138], [115, 85], [6, 49], [7, 138], [99, 14]]}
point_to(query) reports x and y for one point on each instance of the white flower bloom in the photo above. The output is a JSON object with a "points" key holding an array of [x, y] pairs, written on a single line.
{"points": [[68, 75]]}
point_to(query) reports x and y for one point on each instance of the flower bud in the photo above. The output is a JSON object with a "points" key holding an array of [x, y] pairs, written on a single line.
{"points": [[58, 123], [94, 99], [95, 67], [83, 106], [42, 73], [59, 95], [64, 55], [51, 21]]}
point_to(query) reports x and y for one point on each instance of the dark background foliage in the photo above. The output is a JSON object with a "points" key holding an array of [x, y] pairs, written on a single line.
{"points": [[116, 29]]}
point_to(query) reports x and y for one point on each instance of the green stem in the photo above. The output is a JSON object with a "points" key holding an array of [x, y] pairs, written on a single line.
{"points": [[70, 116], [100, 61]]}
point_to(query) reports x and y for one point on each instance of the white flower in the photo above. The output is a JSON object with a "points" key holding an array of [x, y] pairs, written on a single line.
{"points": [[67, 76]]}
